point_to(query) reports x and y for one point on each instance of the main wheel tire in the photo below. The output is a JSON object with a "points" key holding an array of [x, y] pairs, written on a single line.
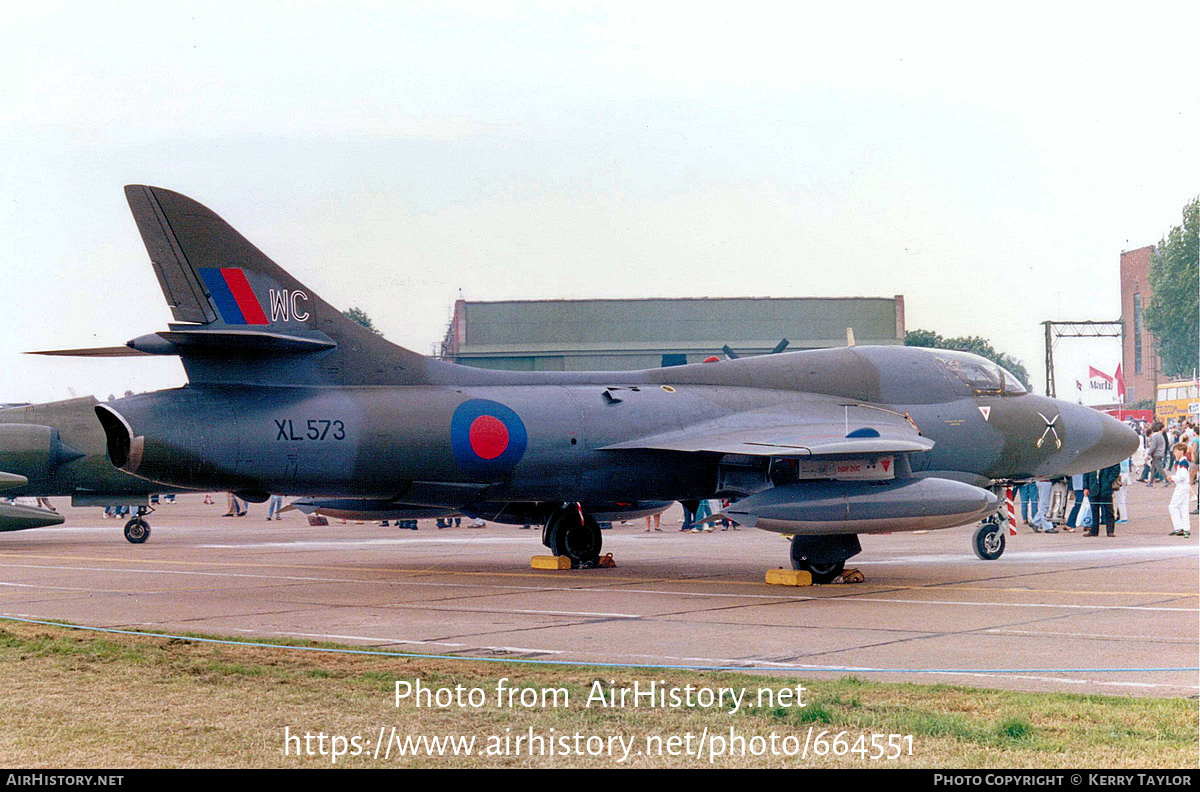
{"points": [[988, 542], [821, 573], [580, 542], [137, 530], [824, 571]]}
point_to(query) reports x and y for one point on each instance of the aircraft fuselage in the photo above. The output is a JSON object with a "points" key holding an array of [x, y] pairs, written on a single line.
{"points": [[443, 445]]}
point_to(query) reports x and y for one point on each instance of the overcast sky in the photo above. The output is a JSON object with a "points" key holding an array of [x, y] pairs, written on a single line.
{"points": [[987, 161]]}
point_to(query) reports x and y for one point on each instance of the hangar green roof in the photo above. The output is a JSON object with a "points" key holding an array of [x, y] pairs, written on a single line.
{"points": [[610, 334]]}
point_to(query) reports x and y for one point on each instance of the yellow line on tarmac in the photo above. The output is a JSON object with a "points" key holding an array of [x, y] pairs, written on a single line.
{"points": [[605, 577]]}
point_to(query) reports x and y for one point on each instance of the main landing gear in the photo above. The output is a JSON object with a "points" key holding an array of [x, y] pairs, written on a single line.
{"points": [[824, 556], [570, 532], [137, 530]]}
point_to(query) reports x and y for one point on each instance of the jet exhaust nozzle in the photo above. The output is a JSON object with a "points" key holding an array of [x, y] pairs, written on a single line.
{"points": [[124, 448]]}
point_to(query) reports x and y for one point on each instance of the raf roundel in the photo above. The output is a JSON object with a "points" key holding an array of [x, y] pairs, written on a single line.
{"points": [[486, 436]]}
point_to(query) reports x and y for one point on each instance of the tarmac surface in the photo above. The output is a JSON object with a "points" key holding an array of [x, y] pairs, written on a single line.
{"points": [[1116, 616]]}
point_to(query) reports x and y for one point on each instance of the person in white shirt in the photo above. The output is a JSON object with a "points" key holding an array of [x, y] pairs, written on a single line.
{"points": [[1182, 476]]}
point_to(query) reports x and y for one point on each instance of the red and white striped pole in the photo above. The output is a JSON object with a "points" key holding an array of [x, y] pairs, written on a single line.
{"points": [[1011, 507]]}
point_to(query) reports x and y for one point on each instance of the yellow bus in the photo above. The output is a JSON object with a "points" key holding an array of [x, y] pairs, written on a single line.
{"points": [[1177, 400]]}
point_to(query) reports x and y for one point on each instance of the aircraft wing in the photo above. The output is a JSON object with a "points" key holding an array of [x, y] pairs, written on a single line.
{"points": [[822, 430]]}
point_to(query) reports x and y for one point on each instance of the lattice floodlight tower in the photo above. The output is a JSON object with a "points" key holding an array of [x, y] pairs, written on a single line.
{"points": [[1088, 329]]}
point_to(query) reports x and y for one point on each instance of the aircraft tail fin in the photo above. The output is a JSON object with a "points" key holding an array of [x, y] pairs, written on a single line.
{"points": [[246, 319]]}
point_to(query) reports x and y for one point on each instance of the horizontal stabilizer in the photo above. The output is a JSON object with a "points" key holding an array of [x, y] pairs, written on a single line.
{"points": [[101, 352], [175, 342], [246, 340]]}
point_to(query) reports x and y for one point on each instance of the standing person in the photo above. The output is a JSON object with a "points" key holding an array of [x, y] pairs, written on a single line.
{"points": [[1077, 486], [1178, 507], [727, 523], [234, 506], [1120, 490], [1098, 488], [655, 520], [1144, 477], [688, 516], [1058, 500], [1156, 449], [1041, 520], [1029, 501], [274, 505], [1194, 460], [1139, 456]]}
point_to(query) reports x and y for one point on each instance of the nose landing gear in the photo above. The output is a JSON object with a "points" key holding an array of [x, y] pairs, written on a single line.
{"points": [[137, 530], [988, 542]]}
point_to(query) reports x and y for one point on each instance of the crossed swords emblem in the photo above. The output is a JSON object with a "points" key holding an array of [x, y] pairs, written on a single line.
{"points": [[1049, 430]]}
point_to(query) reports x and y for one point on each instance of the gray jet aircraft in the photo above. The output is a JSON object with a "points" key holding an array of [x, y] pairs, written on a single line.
{"points": [[57, 448], [286, 395]]}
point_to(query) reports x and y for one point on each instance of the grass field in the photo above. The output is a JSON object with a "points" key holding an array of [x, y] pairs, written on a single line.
{"points": [[83, 699]]}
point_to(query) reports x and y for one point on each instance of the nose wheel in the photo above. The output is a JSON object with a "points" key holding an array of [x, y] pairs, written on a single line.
{"points": [[137, 530], [988, 542]]}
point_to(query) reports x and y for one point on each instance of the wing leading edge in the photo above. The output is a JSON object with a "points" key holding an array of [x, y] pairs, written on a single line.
{"points": [[823, 430]]}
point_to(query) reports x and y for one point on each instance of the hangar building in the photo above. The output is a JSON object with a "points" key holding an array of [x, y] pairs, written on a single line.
{"points": [[615, 335]]}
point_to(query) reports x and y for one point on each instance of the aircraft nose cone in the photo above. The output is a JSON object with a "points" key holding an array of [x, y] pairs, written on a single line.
{"points": [[1118, 439], [1093, 441]]}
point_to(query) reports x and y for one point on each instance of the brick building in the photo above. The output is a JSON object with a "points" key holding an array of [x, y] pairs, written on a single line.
{"points": [[1139, 356]]}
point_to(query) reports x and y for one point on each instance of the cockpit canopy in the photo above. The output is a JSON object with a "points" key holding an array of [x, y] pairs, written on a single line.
{"points": [[980, 375], [901, 375]]}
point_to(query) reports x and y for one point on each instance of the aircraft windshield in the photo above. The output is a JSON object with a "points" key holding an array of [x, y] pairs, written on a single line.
{"points": [[982, 376], [1012, 385]]}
